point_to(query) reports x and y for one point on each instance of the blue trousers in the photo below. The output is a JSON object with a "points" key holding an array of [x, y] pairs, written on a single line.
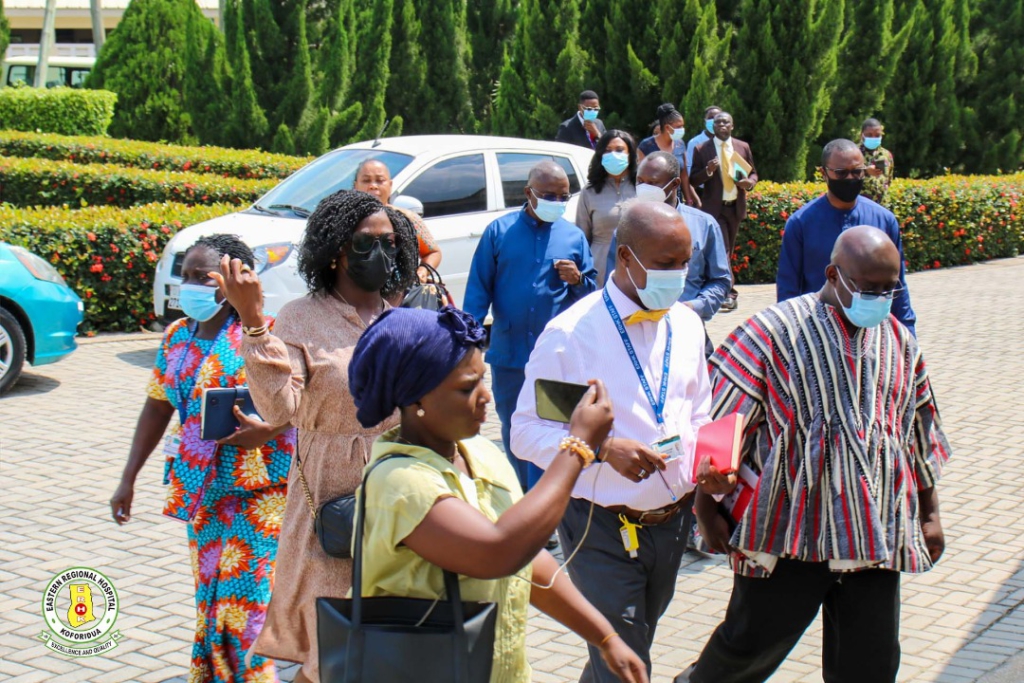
{"points": [[506, 383]]}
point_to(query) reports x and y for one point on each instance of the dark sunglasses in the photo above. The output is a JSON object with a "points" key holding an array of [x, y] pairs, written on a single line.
{"points": [[844, 173], [362, 243]]}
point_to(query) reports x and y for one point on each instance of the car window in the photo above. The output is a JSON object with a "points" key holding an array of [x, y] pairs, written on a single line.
{"points": [[514, 170], [20, 72], [78, 77], [328, 174], [451, 186]]}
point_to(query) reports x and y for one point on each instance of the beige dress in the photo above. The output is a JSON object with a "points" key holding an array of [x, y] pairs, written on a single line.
{"points": [[299, 375]]}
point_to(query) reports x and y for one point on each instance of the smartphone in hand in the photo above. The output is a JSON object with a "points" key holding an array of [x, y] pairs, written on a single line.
{"points": [[557, 400]]}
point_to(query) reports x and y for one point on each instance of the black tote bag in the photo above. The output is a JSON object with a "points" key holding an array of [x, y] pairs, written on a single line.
{"points": [[394, 639], [431, 295]]}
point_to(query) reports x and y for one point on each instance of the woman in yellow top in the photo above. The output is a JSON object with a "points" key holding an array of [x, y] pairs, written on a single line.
{"points": [[456, 504]]}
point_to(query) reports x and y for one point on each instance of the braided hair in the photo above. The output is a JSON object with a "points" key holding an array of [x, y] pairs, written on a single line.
{"points": [[330, 229], [226, 245]]}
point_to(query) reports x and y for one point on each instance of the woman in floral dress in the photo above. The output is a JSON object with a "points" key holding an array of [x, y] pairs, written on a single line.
{"points": [[231, 493]]}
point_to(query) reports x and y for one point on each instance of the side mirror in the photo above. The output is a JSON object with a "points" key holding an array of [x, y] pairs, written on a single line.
{"points": [[409, 204]]}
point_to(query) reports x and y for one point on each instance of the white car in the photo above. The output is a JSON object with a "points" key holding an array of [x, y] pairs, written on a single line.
{"points": [[462, 182]]}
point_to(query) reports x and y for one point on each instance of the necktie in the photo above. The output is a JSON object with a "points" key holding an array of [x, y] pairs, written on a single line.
{"points": [[642, 315], [725, 156]]}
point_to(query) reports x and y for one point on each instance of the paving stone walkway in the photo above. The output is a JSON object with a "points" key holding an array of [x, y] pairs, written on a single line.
{"points": [[66, 428]]}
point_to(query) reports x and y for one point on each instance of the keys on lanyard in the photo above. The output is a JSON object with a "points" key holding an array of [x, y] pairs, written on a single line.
{"points": [[630, 540]]}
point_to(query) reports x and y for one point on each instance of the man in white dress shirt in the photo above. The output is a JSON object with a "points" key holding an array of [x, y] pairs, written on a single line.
{"points": [[649, 351]]}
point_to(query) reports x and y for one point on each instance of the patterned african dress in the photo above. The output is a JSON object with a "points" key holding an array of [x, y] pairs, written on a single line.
{"points": [[232, 499]]}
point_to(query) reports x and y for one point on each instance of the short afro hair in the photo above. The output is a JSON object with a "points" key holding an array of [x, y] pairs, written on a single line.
{"points": [[330, 229], [836, 147], [227, 245]]}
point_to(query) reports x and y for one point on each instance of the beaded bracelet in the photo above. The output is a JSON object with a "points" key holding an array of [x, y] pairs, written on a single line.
{"points": [[579, 448]]}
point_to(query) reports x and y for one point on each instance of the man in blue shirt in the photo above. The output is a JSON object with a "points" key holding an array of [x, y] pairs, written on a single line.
{"points": [[812, 231], [530, 266], [705, 134], [707, 276]]}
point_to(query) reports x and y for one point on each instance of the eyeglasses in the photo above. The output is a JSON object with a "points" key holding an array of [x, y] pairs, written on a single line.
{"points": [[869, 296], [551, 197], [591, 108], [844, 173], [362, 243]]}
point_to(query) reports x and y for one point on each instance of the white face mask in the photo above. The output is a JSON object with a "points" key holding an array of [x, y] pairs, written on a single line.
{"points": [[652, 193], [664, 287]]}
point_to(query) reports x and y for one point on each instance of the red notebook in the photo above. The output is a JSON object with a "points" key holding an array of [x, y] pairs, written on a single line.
{"points": [[721, 440]]}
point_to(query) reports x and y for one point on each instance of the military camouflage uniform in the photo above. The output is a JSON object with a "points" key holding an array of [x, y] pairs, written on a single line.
{"points": [[877, 187]]}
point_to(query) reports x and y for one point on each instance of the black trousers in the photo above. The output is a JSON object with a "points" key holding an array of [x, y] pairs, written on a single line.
{"points": [[766, 618], [729, 219], [632, 593]]}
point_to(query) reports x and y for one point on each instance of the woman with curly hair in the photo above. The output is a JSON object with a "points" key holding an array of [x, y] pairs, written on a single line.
{"points": [[229, 492], [356, 254]]}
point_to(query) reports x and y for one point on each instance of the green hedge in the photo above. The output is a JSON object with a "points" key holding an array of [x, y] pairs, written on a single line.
{"points": [[947, 221], [41, 182], [68, 111], [235, 163], [107, 255]]}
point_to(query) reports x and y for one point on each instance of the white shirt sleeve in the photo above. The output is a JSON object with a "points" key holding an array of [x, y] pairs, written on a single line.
{"points": [[534, 439]]}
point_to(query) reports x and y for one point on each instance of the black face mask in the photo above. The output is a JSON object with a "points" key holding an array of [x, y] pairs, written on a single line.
{"points": [[846, 190], [370, 271]]}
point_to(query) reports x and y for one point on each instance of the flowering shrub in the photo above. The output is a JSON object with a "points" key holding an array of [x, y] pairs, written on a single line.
{"points": [[947, 221], [234, 163], [41, 182], [107, 255], [69, 111]]}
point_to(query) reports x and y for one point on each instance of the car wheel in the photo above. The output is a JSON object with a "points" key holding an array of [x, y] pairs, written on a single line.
{"points": [[12, 350]]}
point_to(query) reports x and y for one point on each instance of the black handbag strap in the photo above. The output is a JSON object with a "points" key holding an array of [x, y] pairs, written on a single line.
{"points": [[435, 277], [451, 581]]}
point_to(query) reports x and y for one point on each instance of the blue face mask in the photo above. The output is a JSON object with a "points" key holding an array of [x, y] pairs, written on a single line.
{"points": [[710, 125], [865, 312], [548, 211], [872, 143], [590, 114], [677, 134], [664, 287], [199, 302], [615, 162]]}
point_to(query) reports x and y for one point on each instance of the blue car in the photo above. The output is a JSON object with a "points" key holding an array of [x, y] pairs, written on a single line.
{"points": [[39, 314]]}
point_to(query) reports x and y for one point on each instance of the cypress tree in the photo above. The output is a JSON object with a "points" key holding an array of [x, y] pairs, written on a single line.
{"points": [[872, 46], [633, 90], [444, 106], [283, 142], [371, 80], [408, 68], [489, 24], [298, 93], [997, 96], [784, 77], [922, 111], [247, 123], [144, 63], [337, 56], [543, 70], [594, 39], [207, 81]]}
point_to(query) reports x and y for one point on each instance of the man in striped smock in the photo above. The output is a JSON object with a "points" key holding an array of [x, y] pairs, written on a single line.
{"points": [[843, 448]]}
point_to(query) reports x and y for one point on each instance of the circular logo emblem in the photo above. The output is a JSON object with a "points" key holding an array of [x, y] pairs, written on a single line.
{"points": [[80, 608]]}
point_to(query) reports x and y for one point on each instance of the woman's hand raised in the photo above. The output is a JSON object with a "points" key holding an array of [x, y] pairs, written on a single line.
{"points": [[241, 287], [593, 417]]}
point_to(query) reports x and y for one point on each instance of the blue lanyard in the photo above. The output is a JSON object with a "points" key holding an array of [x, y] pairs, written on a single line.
{"points": [[659, 405], [182, 397]]}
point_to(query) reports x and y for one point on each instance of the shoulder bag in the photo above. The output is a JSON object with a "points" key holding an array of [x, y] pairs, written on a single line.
{"points": [[431, 295]]}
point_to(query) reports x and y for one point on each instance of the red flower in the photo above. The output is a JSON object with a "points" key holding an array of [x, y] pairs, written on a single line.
{"points": [[922, 208], [91, 236], [188, 165], [784, 215], [105, 278], [967, 251], [96, 268], [936, 265]]}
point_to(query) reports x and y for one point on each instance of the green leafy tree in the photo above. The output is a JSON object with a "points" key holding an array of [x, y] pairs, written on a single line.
{"points": [[207, 81], [784, 71], [543, 72], [5, 30], [144, 63], [297, 96], [283, 142], [337, 56], [694, 54], [632, 88], [408, 67], [444, 106], [370, 84], [997, 94], [247, 124], [872, 46], [489, 24], [923, 113], [593, 39]]}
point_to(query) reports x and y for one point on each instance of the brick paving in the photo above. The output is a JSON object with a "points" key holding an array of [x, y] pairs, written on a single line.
{"points": [[66, 428]]}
